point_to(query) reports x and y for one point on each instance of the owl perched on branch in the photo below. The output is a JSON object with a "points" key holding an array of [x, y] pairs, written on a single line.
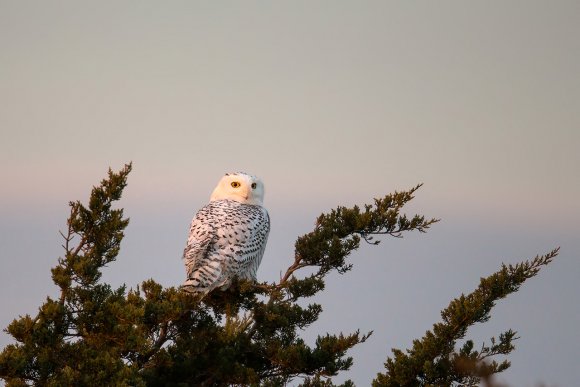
{"points": [[228, 236]]}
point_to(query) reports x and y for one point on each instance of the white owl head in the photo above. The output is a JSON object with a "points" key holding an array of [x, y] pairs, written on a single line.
{"points": [[241, 187]]}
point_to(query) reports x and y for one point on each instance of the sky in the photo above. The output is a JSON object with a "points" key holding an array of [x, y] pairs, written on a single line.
{"points": [[330, 103]]}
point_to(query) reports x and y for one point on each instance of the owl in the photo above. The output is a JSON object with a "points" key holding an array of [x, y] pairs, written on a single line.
{"points": [[228, 236]]}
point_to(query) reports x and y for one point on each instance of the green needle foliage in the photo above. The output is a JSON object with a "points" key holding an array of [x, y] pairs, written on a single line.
{"points": [[434, 361], [94, 335]]}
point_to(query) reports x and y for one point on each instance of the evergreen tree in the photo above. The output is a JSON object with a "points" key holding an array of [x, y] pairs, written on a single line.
{"points": [[94, 335]]}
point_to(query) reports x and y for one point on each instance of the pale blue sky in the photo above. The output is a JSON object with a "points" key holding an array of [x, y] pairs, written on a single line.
{"points": [[331, 103]]}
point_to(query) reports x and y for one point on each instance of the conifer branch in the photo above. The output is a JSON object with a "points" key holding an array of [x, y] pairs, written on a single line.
{"points": [[248, 334], [433, 359]]}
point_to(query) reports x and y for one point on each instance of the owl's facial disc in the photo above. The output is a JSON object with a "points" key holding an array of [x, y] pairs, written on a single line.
{"points": [[240, 187]]}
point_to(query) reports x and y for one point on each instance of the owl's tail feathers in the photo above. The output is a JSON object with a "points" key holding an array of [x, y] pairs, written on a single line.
{"points": [[193, 286]]}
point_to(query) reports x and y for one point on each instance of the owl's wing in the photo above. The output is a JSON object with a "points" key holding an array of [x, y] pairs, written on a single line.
{"points": [[225, 240], [199, 241], [254, 243]]}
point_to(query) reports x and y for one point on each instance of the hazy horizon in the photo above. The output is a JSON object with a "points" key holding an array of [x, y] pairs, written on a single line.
{"points": [[330, 103]]}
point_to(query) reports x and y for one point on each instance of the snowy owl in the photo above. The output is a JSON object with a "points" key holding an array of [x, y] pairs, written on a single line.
{"points": [[227, 237]]}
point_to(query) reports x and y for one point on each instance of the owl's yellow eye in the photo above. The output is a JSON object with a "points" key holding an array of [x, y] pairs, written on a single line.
{"points": [[254, 185], [235, 184]]}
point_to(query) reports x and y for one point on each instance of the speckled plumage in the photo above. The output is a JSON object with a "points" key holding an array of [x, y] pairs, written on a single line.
{"points": [[228, 236]]}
